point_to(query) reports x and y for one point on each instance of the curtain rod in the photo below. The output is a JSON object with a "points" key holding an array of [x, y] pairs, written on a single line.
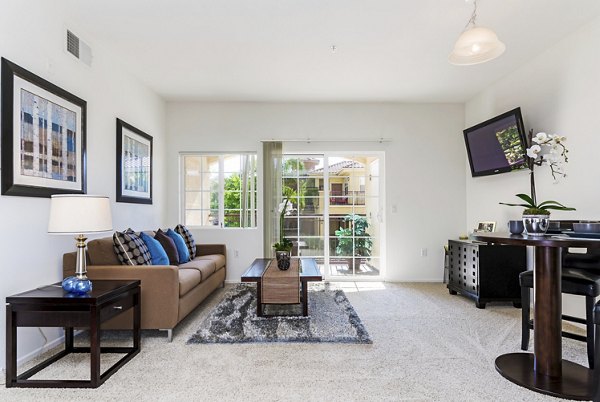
{"points": [[309, 140]]}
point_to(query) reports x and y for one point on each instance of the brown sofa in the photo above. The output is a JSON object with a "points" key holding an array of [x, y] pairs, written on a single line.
{"points": [[168, 293]]}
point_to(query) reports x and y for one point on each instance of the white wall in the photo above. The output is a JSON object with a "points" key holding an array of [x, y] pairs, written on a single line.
{"points": [[558, 92], [424, 167], [31, 35]]}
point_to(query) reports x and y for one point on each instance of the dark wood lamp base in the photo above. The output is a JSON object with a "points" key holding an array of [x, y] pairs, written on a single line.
{"points": [[575, 382]]}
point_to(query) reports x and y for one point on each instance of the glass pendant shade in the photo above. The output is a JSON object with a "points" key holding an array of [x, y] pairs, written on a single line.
{"points": [[476, 45]]}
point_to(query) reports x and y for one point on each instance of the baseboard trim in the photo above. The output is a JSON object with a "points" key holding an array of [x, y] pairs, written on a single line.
{"points": [[229, 281], [414, 281], [42, 349]]}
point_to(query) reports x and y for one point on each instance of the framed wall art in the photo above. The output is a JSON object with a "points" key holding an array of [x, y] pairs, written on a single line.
{"points": [[134, 164], [43, 136]]}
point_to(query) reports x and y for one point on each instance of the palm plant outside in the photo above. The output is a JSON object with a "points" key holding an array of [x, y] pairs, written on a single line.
{"points": [[354, 240]]}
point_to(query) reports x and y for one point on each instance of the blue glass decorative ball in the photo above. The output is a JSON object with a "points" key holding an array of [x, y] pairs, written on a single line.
{"points": [[77, 286]]}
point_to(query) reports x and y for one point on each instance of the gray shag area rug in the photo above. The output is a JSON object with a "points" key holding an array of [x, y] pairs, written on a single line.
{"points": [[331, 319]]}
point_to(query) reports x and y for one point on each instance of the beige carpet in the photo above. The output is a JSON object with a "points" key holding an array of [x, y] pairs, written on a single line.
{"points": [[427, 346]]}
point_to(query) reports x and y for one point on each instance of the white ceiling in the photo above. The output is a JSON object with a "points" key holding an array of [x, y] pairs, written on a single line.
{"points": [[280, 50]]}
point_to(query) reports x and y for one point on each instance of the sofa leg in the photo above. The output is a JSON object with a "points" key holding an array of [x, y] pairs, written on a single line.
{"points": [[223, 285], [169, 334]]}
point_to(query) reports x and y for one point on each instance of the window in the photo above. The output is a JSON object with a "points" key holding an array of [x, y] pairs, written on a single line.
{"points": [[219, 190]]}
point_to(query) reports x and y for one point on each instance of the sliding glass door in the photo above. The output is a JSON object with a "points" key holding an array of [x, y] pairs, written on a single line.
{"points": [[337, 212], [302, 184]]}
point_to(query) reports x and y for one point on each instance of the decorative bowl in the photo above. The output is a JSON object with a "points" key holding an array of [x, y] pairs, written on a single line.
{"points": [[587, 227], [536, 225]]}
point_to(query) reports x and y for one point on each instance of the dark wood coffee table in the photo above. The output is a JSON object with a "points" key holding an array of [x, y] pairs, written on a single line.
{"points": [[309, 272], [51, 306]]}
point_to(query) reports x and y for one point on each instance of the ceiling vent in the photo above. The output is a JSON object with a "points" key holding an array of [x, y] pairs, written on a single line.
{"points": [[78, 48]]}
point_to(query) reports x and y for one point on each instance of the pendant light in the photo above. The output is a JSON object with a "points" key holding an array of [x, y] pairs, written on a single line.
{"points": [[476, 44]]}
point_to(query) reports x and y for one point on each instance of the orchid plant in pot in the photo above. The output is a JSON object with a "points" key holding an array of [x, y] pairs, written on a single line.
{"points": [[283, 248], [543, 149]]}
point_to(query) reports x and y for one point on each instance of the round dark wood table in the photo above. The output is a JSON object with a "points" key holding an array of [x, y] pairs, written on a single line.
{"points": [[545, 370]]}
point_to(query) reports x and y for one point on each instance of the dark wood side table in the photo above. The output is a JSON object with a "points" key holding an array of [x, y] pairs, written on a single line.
{"points": [[51, 306], [308, 272], [545, 370]]}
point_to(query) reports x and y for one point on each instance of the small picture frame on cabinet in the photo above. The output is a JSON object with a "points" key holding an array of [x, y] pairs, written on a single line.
{"points": [[486, 227]]}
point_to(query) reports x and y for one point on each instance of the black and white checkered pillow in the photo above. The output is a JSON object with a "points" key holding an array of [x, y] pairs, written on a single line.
{"points": [[188, 238], [131, 249]]}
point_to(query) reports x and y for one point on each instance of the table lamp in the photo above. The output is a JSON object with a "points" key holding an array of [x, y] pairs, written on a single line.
{"points": [[76, 214]]}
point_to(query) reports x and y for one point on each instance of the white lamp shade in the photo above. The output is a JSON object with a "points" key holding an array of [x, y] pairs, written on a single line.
{"points": [[476, 45], [79, 214]]}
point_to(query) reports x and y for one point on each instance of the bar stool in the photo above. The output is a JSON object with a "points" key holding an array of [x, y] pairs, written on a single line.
{"points": [[580, 276]]}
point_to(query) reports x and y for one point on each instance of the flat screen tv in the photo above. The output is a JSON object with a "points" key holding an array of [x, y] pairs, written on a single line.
{"points": [[497, 145]]}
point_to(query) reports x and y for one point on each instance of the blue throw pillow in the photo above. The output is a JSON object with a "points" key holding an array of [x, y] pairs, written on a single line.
{"points": [[182, 250], [158, 253]]}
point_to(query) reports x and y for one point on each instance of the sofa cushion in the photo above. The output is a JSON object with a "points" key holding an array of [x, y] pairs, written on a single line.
{"points": [[102, 252], [182, 250], [205, 267], [188, 238], [169, 245], [131, 249], [158, 253], [218, 259], [188, 280]]}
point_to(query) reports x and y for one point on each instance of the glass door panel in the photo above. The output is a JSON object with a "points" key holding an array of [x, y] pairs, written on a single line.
{"points": [[336, 215], [302, 183], [354, 217]]}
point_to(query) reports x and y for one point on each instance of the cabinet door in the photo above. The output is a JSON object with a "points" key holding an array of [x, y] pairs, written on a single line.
{"points": [[454, 263], [465, 251], [471, 269]]}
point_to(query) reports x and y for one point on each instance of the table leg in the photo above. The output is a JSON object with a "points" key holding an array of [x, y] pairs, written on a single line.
{"points": [[304, 299], [94, 347], [259, 307], [547, 311], [11, 348], [137, 319], [68, 339], [545, 371]]}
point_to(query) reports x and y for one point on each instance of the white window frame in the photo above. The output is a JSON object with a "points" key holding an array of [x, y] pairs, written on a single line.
{"points": [[221, 194]]}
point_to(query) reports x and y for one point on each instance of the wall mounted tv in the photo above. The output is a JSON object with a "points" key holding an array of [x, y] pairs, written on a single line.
{"points": [[497, 145]]}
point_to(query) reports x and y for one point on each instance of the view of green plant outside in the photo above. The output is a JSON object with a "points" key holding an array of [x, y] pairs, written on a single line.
{"points": [[207, 177], [510, 142]]}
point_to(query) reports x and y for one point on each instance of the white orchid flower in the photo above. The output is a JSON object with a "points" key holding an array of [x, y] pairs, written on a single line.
{"points": [[534, 151], [540, 138], [289, 208], [281, 206], [554, 156], [560, 138]]}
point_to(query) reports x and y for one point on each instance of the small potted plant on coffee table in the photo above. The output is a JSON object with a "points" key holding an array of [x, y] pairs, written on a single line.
{"points": [[283, 248]]}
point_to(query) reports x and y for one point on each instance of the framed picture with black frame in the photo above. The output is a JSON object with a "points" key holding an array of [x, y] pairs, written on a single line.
{"points": [[134, 164], [43, 136]]}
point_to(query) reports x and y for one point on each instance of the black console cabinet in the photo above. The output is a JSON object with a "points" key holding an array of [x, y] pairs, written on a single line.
{"points": [[486, 272]]}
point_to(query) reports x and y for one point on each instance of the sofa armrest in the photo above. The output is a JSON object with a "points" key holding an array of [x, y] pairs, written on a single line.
{"points": [[159, 290], [207, 249]]}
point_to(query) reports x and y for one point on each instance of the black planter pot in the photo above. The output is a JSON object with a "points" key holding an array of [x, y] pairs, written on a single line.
{"points": [[284, 260]]}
